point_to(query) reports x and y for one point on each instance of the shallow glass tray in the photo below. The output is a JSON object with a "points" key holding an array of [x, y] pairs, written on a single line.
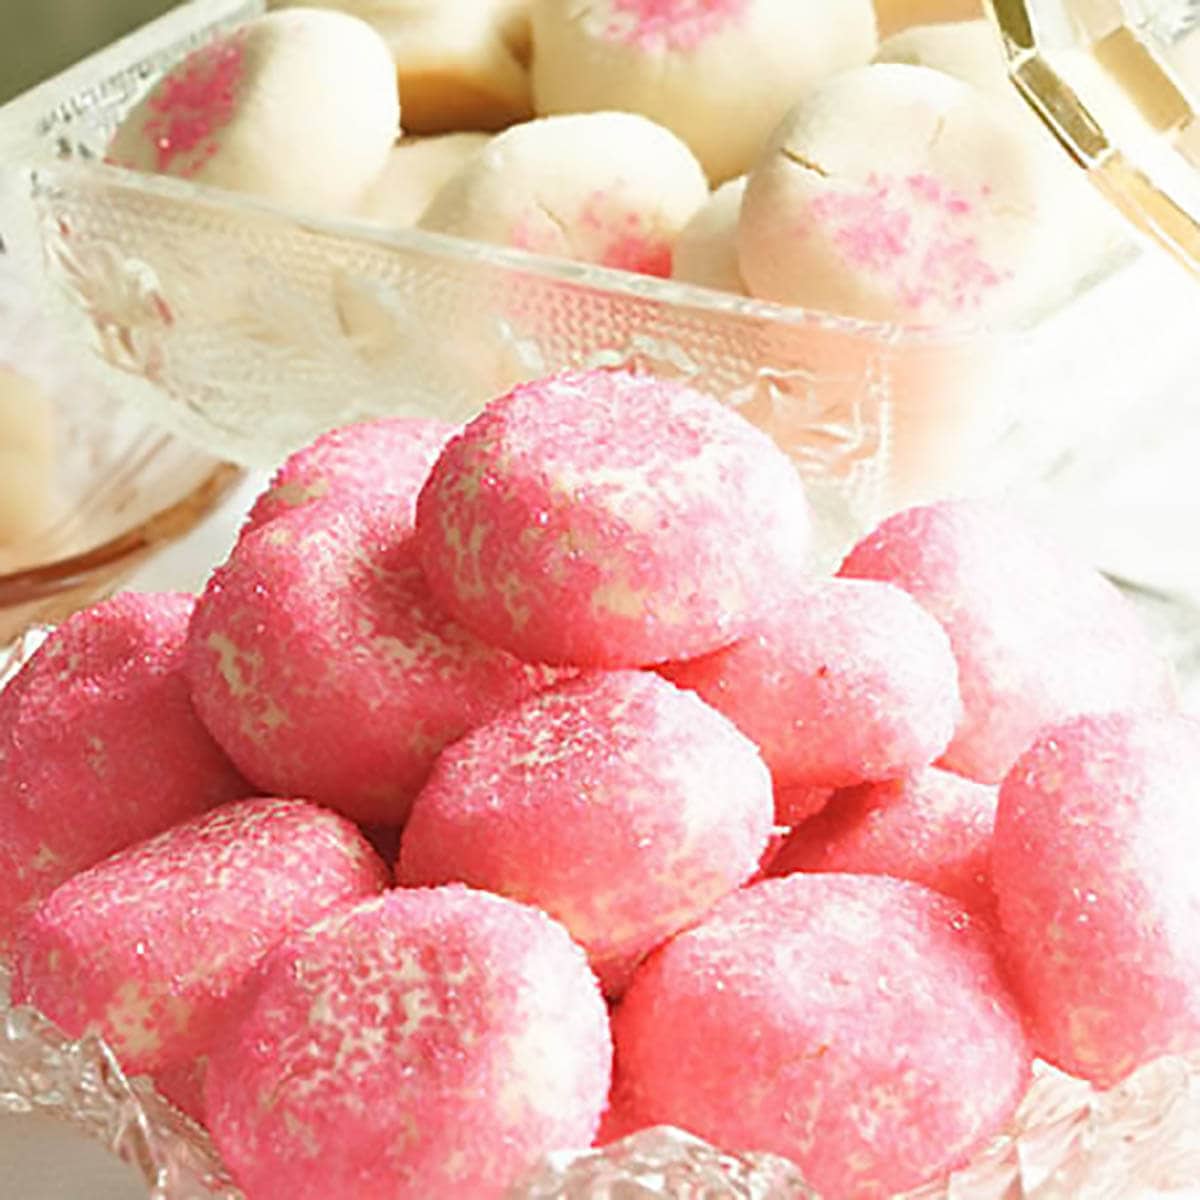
{"points": [[249, 328]]}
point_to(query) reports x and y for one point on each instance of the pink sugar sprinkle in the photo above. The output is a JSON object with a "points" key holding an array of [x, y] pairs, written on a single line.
{"points": [[636, 252], [916, 231], [671, 25], [193, 104]]}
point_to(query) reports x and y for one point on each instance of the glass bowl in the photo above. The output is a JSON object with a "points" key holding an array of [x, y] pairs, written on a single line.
{"points": [[119, 489], [248, 327]]}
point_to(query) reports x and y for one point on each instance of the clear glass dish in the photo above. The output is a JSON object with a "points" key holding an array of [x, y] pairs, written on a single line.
{"points": [[249, 328], [120, 487]]}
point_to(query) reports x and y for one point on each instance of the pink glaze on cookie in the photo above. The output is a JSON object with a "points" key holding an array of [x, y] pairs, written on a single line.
{"points": [[617, 803], [916, 230], [799, 802], [431, 1043], [855, 1024], [100, 747], [1037, 634], [378, 461], [932, 827], [319, 660], [671, 26], [183, 1086], [193, 104], [152, 947], [1096, 846], [609, 519], [840, 682]]}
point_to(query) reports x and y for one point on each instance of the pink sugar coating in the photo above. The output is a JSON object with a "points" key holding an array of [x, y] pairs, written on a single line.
{"points": [[384, 460], [603, 519], [183, 1086], [672, 26], [1037, 634], [617, 803], [915, 231], [840, 682], [932, 827], [319, 660], [798, 803], [100, 747], [855, 1024], [193, 104], [152, 947], [433, 1042], [1094, 861]]}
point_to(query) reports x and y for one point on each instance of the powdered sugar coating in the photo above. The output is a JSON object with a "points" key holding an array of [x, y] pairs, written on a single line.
{"points": [[1095, 855], [152, 947], [245, 111], [895, 193], [1037, 634], [617, 803], [101, 714], [863, 1019], [604, 519], [433, 1042], [932, 827], [374, 460], [719, 73], [841, 681], [321, 663]]}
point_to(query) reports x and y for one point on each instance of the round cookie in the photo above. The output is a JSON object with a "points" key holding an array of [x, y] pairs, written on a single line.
{"points": [[319, 660], [1094, 864], [1038, 635], [720, 74], [416, 171], [706, 249], [378, 461], [460, 64], [26, 457], [895, 193], [152, 948], [861, 1020], [617, 803], [297, 106], [609, 519], [836, 684], [100, 747], [608, 188], [899, 14], [433, 1042], [932, 826]]}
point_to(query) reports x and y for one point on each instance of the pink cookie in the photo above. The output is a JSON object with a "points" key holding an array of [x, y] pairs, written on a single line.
{"points": [[608, 519], [932, 827], [853, 1023], [374, 460], [183, 1086], [431, 1043], [152, 947], [619, 804], [100, 747], [1096, 847], [840, 682], [798, 803], [321, 663], [1038, 635]]}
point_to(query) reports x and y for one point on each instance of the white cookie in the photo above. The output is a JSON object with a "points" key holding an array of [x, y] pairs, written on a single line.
{"points": [[26, 456], [297, 106], [720, 74], [900, 14], [607, 188], [415, 172], [1087, 226], [706, 250], [460, 64], [894, 193]]}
